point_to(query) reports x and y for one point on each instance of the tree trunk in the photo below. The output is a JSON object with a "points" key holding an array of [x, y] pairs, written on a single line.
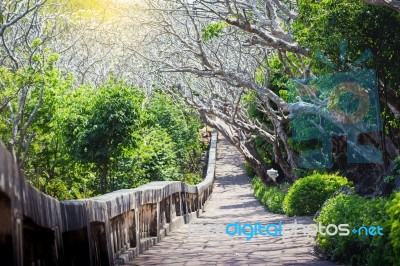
{"points": [[250, 153], [256, 162]]}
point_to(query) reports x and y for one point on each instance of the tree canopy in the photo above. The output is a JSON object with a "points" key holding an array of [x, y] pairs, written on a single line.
{"points": [[89, 90]]}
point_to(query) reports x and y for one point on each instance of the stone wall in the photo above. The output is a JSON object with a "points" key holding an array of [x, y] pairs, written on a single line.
{"points": [[36, 229]]}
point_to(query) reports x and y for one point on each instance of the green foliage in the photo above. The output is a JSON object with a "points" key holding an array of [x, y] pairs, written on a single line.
{"points": [[41, 85], [251, 100], [284, 94], [300, 172], [154, 159], [98, 131], [394, 173], [307, 194], [393, 225], [354, 249], [181, 124], [278, 77], [249, 170], [358, 211], [193, 178], [323, 24], [129, 145], [89, 140], [264, 149], [213, 30], [114, 112], [271, 197]]}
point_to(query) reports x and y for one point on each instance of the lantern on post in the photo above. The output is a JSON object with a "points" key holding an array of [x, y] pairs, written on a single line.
{"points": [[273, 174]]}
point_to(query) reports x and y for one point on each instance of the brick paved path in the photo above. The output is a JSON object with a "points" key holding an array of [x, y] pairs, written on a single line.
{"points": [[203, 242]]}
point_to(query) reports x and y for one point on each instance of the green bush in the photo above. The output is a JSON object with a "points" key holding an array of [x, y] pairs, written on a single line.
{"points": [[393, 225], [192, 178], [154, 159], [353, 249], [271, 197], [307, 194], [358, 211]]}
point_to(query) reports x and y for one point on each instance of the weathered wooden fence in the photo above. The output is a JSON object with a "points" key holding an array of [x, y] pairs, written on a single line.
{"points": [[36, 229]]}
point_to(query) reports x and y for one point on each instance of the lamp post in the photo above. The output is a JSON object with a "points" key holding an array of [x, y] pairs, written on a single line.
{"points": [[273, 174]]}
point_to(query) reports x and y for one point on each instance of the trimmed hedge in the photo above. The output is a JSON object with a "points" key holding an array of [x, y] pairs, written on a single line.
{"points": [[307, 194], [393, 225], [358, 211], [271, 197]]}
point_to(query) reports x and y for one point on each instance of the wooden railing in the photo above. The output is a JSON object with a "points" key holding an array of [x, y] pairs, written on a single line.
{"points": [[36, 229]]}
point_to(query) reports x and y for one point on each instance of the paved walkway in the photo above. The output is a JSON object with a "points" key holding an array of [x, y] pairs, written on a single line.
{"points": [[204, 241]]}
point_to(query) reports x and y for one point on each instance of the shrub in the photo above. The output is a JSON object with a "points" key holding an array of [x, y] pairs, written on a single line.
{"points": [[354, 249], [393, 225], [271, 197], [154, 159], [307, 195], [192, 178]]}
